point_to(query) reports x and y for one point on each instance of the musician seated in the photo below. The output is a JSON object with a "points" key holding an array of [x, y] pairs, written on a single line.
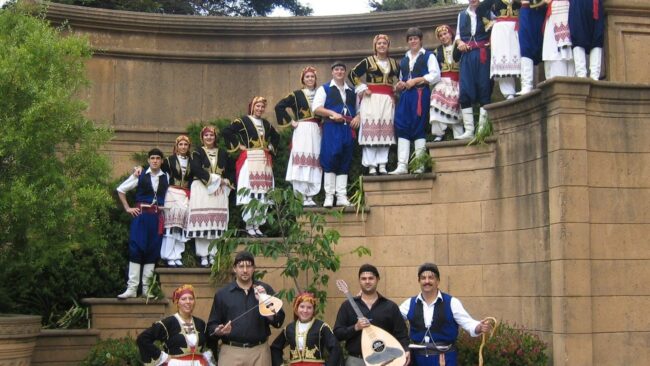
{"points": [[182, 335], [235, 320], [309, 339], [434, 318]]}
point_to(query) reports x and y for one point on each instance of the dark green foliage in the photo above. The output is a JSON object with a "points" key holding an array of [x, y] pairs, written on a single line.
{"points": [[510, 346], [113, 352], [302, 238], [246, 8], [389, 5], [57, 243]]}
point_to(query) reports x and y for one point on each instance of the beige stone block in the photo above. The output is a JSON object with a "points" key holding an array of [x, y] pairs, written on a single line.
{"points": [[572, 314], [567, 168], [570, 240], [528, 245], [464, 186], [632, 348], [627, 33], [568, 130], [623, 170], [522, 279], [345, 247], [408, 220], [573, 349], [503, 308], [572, 277], [440, 218], [59, 347], [463, 280], [515, 213], [519, 179], [452, 156], [398, 190], [604, 128], [401, 283], [520, 143], [621, 277], [569, 204], [376, 223], [441, 249], [624, 206], [349, 223], [464, 217], [412, 250], [620, 241], [621, 314]]}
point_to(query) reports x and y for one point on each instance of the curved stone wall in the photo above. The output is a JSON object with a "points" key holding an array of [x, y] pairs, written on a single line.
{"points": [[154, 74]]}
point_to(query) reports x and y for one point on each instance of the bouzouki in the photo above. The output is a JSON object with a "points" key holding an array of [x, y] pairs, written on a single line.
{"points": [[378, 347]]}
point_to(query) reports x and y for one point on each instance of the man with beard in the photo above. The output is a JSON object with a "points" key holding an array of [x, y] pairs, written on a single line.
{"points": [[243, 343], [434, 318], [376, 309]]}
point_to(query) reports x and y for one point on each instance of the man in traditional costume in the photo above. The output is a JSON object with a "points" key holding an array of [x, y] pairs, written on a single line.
{"points": [[587, 25], [335, 101], [255, 140], [145, 237], [434, 318], [309, 339], [304, 170], [473, 39], [376, 130], [418, 70], [208, 213], [445, 110], [531, 37]]}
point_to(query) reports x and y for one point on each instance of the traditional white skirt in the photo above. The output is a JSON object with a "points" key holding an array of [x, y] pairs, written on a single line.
{"points": [[504, 46], [255, 174], [304, 165], [377, 127], [444, 102], [208, 213], [176, 212], [557, 37]]}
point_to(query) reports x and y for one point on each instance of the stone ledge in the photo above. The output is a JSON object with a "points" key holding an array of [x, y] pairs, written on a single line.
{"points": [[115, 301], [456, 156], [391, 190]]}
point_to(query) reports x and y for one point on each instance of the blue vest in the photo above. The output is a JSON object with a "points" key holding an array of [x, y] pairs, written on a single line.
{"points": [[420, 67], [465, 28], [334, 102], [144, 192], [443, 326]]}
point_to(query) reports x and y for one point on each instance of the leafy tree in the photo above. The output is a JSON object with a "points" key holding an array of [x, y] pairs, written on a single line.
{"points": [[246, 8], [54, 201], [388, 5]]}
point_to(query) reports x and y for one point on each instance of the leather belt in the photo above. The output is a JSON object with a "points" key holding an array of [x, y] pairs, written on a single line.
{"points": [[244, 345]]}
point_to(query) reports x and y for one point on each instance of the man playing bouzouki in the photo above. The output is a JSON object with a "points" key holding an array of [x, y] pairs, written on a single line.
{"points": [[377, 311], [434, 318]]}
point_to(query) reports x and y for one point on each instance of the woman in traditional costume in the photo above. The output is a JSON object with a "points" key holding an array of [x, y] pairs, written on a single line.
{"points": [[208, 217], [177, 166], [182, 335], [504, 43], [255, 140], [309, 339], [556, 51], [377, 129], [445, 110], [304, 170]]}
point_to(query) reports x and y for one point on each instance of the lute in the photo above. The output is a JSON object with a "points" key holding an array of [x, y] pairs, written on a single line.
{"points": [[378, 347]]}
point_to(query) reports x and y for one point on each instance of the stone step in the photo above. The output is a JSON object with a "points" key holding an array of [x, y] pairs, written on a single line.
{"points": [[63, 347], [115, 318]]}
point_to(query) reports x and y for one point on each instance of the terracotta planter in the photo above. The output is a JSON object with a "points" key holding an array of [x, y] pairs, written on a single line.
{"points": [[17, 338], [63, 347]]}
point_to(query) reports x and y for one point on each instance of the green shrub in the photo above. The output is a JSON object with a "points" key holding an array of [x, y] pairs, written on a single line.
{"points": [[510, 346], [114, 352]]}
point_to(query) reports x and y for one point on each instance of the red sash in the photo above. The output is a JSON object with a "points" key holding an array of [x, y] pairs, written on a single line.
{"points": [[453, 75], [381, 89], [196, 357]]}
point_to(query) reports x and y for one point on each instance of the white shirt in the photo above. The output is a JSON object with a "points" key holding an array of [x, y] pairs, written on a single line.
{"points": [[472, 18], [259, 125], [183, 160], [319, 98], [433, 76], [384, 66], [460, 314], [132, 181]]}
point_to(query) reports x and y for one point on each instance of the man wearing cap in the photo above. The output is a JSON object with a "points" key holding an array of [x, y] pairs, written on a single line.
{"points": [[434, 317], [244, 341], [145, 238], [335, 101], [376, 309]]}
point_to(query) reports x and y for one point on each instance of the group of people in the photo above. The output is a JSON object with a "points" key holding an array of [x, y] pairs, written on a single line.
{"points": [[434, 319]]}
